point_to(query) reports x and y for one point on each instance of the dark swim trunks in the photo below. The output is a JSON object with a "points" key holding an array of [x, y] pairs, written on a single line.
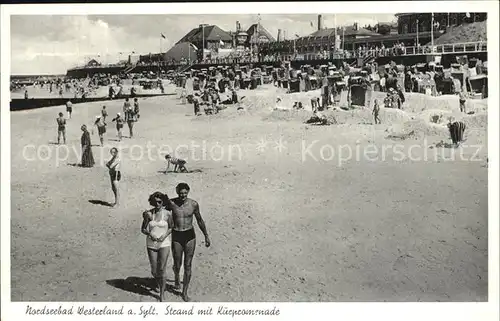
{"points": [[183, 237], [115, 175]]}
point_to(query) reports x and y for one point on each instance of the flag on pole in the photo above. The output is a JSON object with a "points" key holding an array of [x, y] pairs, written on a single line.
{"points": [[163, 36]]}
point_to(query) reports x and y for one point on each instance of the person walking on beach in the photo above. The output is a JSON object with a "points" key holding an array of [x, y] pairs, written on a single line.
{"points": [[157, 225], [376, 111], [130, 118], [115, 174], [101, 128], [183, 235], [87, 156], [69, 108], [61, 128], [119, 125]]}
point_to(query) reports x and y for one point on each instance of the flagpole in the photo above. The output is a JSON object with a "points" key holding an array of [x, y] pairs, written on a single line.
{"points": [[343, 37], [203, 42], [432, 32], [335, 30], [417, 33]]}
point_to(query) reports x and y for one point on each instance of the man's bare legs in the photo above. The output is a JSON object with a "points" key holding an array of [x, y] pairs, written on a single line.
{"points": [[188, 259], [177, 252]]}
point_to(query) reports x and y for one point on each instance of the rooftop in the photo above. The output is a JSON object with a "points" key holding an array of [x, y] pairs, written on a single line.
{"points": [[346, 31], [210, 33]]}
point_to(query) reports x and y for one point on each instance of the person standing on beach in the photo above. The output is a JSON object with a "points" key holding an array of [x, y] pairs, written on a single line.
{"points": [[119, 125], [157, 225], [115, 174], [376, 111], [69, 108], [401, 95], [126, 106], [130, 118], [104, 113], [101, 128], [183, 236], [136, 108], [462, 99], [61, 128], [87, 156]]}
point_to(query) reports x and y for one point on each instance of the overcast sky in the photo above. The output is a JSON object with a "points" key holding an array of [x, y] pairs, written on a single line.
{"points": [[52, 44]]}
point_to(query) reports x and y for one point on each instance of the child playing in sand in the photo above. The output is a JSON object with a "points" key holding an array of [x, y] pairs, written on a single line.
{"points": [[177, 162]]}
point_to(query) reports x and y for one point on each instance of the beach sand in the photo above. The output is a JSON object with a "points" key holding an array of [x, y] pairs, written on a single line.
{"points": [[282, 228]]}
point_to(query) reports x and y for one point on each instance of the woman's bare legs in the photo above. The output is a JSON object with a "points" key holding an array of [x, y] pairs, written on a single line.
{"points": [[161, 269], [116, 192], [153, 262]]}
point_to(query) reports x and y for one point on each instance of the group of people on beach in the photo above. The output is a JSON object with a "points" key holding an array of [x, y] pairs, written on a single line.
{"points": [[168, 225], [87, 159]]}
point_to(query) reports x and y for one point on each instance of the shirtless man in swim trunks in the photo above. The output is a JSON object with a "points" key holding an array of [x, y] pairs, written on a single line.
{"points": [[183, 236]]}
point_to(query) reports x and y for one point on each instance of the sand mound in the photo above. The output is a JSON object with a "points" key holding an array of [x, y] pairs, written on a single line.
{"points": [[288, 115], [436, 116], [270, 98], [465, 33], [416, 103], [476, 121], [416, 128]]}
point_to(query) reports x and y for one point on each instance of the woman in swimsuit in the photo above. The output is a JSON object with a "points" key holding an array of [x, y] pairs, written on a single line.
{"points": [[114, 174], [157, 226]]}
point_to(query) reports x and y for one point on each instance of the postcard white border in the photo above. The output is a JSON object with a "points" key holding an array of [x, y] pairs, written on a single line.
{"points": [[296, 311]]}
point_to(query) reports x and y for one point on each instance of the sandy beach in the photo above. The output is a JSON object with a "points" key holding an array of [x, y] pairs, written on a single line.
{"points": [[283, 228]]}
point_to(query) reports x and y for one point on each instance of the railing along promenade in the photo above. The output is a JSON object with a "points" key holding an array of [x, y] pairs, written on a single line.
{"points": [[456, 48]]}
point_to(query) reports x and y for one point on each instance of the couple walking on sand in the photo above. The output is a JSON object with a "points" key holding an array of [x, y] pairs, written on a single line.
{"points": [[169, 225]]}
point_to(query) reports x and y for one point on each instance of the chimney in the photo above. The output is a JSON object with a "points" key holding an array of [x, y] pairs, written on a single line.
{"points": [[320, 22], [279, 35], [356, 26], [237, 26]]}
